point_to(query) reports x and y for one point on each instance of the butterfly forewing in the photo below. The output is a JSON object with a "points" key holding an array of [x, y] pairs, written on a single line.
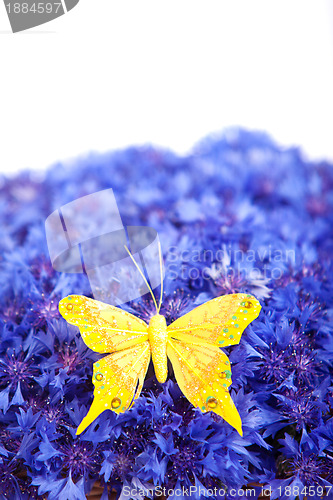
{"points": [[118, 380], [220, 321], [104, 328]]}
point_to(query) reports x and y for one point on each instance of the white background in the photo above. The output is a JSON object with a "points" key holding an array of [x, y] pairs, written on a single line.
{"points": [[113, 73]]}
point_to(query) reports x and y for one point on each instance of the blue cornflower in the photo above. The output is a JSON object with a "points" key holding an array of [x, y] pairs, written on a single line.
{"points": [[301, 465], [43, 310]]}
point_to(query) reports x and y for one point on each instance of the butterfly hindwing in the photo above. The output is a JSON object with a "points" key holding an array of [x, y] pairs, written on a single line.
{"points": [[118, 379], [203, 374], [220, 321], [104, 328]]}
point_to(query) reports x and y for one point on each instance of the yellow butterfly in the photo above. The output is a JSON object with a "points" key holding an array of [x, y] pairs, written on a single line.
{"points": [[192, 344]]}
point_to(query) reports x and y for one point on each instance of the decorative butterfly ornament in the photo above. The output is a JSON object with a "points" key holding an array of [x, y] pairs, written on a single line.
{"points": [[192, 344]]}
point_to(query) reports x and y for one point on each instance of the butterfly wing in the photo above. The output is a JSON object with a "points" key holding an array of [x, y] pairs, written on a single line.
{"points": [[203, 371], [118, 379], [203, 374], [104, 328], [220, 321]]}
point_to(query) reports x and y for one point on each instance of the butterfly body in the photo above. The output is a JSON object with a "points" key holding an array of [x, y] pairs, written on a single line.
{"points": [[157, 337], [192, 343]]}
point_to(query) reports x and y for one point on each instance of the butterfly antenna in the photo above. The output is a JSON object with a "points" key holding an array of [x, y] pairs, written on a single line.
{"points": [[143, 276], [161, 270]]}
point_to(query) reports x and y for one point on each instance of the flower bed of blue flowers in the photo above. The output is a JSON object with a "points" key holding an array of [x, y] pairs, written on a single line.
{"points": [[238, 214]]}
